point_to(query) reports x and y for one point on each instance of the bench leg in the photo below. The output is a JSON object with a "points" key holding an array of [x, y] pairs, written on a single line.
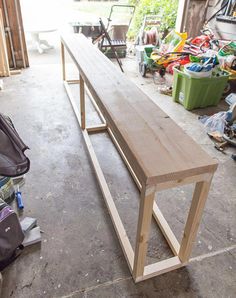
{"points": [[63, 61], [144, 222], [82, 103], [194, 217]]}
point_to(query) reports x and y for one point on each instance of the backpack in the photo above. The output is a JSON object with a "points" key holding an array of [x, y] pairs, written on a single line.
{"points": [[11, 235], [13, 161]]}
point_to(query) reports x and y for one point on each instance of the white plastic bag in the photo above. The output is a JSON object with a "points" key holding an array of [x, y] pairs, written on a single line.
{"points": [[215, 124]]}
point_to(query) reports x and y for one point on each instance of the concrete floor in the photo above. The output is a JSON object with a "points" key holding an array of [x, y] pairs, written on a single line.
{"points": [[80, 255]]}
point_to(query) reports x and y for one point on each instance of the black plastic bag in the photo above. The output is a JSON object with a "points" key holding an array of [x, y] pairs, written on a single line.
{"points": [[13, 161]]}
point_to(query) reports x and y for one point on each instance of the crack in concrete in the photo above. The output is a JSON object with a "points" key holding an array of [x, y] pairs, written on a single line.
{"points": [[85, 290], [29, 284], [199, 259]]}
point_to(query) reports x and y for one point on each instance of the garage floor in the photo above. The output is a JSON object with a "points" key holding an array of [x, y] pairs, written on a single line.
{"points": [[80, 255]]}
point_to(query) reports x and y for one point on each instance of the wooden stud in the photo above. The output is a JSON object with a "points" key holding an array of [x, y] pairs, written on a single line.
{"points": [[194, 218], [180, 182], [82, 102], [70, 82], [15, 72], [21, 36], [142, 236], [160, 268], [4, 66], [63, 61], [96, 128]]}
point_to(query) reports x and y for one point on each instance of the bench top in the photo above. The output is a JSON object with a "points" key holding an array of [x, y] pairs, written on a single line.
{"points": [[157, 148]]}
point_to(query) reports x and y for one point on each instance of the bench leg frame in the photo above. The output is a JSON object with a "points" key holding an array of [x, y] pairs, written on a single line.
{"points": [[147, 208]]}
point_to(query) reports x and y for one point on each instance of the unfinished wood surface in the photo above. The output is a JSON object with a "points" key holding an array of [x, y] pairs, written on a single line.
{"points": [[160, 268], [96, 128], [15, 72], [156, 147], [82, 102], [180, 182], [63, 62], [194, 218], [71, 82], [4, 66], [143, 229]]}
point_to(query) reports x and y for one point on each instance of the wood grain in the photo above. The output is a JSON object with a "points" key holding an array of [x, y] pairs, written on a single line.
{"points": [[156, 147], [194, 218], [143, 229]]}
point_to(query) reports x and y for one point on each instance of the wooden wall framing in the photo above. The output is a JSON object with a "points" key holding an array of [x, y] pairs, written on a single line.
{"points": [[15, 37]]}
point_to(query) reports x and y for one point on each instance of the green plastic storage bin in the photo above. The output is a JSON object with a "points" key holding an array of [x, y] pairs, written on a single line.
{"points": [[195, 93]]}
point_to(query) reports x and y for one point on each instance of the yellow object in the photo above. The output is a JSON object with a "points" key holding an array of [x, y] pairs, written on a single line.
{"points": [[173, 42]]}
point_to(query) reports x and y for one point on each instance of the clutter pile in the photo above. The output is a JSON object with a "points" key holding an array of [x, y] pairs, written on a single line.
{"points": [[222, 126], [204, 67]]}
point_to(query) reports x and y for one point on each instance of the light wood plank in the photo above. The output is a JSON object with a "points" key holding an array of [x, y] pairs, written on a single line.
{"points": [[194, 218], [100, 115], [96, 128], [180, 182], [63, 62], [142, 236], [15, 72], [71, 82], [4, 66], [160, 268], [82, 103]]}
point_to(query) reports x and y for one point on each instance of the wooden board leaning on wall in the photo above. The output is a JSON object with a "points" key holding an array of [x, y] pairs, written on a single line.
{"points": [[4, 66], [15, 37]]}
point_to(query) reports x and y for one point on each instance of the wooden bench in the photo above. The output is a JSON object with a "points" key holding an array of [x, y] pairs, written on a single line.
{"points": [[158, 154]]}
